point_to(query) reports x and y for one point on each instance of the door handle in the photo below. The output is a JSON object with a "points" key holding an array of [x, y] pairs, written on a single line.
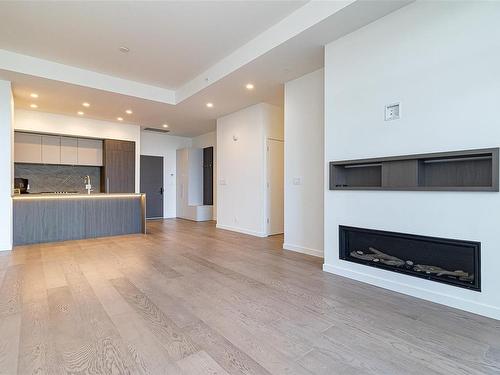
{"points": [[161, 191]]}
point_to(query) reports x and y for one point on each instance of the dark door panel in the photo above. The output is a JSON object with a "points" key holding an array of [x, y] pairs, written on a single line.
{"points": [[208, 176], [152, 184]]}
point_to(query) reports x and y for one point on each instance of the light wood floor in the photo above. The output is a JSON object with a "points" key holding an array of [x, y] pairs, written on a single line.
{"points": [[191, 299]]}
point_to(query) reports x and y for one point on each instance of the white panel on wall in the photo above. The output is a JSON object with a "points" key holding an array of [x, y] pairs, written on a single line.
{"points": [[442, 63], [6, 164], [274, 186], [304, 158], [190, 186], [195, 173]]}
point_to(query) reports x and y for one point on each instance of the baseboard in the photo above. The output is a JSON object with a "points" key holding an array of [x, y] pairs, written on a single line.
{"points": [[441, 298], [303, 250], [241, 230], [5, 246], [191, 219]]}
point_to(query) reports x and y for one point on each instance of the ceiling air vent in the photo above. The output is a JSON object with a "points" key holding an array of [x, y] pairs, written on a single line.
{"points": [[156, 130]]}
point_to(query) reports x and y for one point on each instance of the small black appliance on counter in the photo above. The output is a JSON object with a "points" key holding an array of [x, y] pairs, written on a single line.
{"points": [[21, 184]]}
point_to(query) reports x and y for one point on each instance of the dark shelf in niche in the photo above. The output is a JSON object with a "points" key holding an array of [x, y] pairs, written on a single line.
{"points": [[469, 170]]}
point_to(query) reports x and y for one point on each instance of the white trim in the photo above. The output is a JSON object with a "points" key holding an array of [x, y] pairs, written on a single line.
{"points": [[298, 21], [7, 164], [18, 63], [241, 230], [303, 250], [436, 297]]}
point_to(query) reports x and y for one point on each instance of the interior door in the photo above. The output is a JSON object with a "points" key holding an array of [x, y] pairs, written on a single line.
{"points": [[152, 185], [275, 186]]}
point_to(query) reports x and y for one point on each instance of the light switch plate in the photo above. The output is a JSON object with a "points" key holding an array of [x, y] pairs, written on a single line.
{"points": [[392, 111], [297, 181]]}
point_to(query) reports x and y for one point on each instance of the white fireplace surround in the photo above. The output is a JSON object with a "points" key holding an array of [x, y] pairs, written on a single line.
{"points": [[440, 61]]}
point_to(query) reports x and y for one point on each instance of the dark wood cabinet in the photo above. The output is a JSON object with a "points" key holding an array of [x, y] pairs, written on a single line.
{"points": [[208, 176], [118, 172]]}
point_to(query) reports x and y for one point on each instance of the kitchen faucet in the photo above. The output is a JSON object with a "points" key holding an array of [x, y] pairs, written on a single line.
{"points": [[88, 185]]}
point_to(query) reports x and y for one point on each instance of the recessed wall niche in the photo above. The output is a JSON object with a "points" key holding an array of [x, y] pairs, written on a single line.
{"points": [[468, 170]]}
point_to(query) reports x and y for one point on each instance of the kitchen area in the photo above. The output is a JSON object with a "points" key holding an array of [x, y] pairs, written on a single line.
{"points": [[68, 188]]}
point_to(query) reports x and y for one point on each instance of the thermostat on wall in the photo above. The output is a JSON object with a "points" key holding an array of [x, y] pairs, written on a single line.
{"points": [[393, 111]]}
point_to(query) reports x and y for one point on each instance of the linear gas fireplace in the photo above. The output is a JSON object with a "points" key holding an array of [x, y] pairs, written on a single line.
{"points": [[453, 262]]}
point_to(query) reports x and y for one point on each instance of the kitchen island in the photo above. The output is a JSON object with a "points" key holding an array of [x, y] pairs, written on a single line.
{"points": [[52, 217]]}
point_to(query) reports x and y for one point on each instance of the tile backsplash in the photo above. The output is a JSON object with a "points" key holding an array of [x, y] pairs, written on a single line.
{"points": [[50, 178]]}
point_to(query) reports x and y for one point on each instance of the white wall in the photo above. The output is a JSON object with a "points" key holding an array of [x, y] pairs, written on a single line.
{"points": [[195, 173], [190, 186], [6, 164], [155, 144], [205, 140], [209, 140], [274, 165], [35, 121], [182, 182], [304, 155], [241, 167], [440, 59]]}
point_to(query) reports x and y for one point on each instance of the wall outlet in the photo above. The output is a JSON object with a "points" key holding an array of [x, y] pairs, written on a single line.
{"points": [[392, 111]]}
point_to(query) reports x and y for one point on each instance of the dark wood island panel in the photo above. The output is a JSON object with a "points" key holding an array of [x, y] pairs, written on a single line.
{"points": [[44, 218]]}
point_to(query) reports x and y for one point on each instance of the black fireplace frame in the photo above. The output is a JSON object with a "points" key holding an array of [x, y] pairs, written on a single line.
{"points": [[344, 254]]}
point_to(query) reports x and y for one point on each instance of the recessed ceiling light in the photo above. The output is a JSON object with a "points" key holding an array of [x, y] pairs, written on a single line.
{"points": [[165, 125], [210, 105], [85, 104], [34, 95], [119, 118], [129, 112], [33, 106], [80, 113], [249, 86], [124, 49]]}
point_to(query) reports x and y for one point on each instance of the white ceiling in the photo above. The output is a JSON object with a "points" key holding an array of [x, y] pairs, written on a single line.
{"points": [[170, 42], [189, 118], [268, 71]]}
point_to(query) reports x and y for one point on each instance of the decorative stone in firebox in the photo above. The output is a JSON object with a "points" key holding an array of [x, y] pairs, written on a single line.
{"points": [[455, 262]]}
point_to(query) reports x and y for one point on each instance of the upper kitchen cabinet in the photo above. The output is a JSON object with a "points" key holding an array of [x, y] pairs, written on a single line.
{"points": [[55, 149], [118, 174], [27, 148], [69, 151], [51, 149], [90, 152]]}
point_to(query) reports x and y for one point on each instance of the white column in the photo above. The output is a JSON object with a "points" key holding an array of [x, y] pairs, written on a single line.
{"points": [[6, 164]]}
